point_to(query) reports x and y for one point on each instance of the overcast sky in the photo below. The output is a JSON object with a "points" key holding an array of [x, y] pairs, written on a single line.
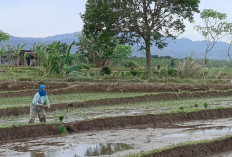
{"points": [[42, 18]]}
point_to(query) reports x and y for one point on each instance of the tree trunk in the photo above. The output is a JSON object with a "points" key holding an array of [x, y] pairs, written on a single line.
{"points": [[148, 56], [0, 60], [17, 61]]}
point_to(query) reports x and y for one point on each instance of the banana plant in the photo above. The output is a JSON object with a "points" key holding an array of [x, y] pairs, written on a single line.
{"points": [[10, 53], [2, 51], [17, 53], [54, 57]]}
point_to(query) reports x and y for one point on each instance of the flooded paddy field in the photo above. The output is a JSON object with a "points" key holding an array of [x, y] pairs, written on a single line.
{"points": [[119, 142], [88, 113], [110, 120]]}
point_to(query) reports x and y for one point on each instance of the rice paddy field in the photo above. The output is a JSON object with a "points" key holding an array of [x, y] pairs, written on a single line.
{"points": [[110, 119]]}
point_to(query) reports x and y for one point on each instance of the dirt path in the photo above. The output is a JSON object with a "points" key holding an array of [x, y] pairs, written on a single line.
{"points": [[14, 86]]}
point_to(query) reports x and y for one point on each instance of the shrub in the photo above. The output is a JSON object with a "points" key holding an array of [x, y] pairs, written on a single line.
{"points": [[181, 108], [163, 72], [134, 72], [189, 68], [196, 105], [63, 129], [130, 63], [172, 72], [105, 70]]}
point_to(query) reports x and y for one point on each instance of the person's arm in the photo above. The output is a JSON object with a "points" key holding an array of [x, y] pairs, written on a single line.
{"points": [[47, 101], [36, 100]]}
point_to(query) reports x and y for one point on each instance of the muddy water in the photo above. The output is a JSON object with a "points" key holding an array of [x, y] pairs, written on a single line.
{"points": [[196, 133], [75, 114], [120, 142], [75, 150], [227, 154]]}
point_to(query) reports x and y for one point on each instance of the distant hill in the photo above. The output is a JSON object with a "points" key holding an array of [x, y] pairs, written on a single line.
{"points": [[179, 48], [183, 47]]}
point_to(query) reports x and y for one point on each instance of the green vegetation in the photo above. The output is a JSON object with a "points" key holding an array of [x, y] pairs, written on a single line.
{"points": [[62, 129], [206, 105], [215, 26], [219, 72], [189, 68], [4, 36], [196, 105], [66, 98], [181, 108], [100, 18], [125, 109], [61, 117]]}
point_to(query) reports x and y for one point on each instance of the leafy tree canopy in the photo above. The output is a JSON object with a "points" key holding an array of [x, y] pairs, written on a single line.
{"points": [[133, 20], [3, 36]]}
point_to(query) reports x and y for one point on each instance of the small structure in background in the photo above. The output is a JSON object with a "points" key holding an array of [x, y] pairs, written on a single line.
{"points": [[26, 57]]}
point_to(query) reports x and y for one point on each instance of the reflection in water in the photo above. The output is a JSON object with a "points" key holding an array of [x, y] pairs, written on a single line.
{"points": [[197, 132], [37, 154], [83, 150], [106, 149]]}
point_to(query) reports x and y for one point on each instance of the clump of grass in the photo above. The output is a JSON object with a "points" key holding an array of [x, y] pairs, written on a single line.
{"points": [[181, 108], [62, 129], [206, 105], [61, 117], [196, 105]]}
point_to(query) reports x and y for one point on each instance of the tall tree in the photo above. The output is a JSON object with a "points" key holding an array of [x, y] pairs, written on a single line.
{"points": [[214, 27], [133, 20]]}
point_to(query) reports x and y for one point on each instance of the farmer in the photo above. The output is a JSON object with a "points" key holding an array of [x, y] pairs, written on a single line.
{"points": [[39, 103]]}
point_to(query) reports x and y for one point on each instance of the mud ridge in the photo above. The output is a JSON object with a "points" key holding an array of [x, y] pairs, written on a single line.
{"points": [[200, 149], [115, 101], [15, 85], [156, 120], [56, 88]]}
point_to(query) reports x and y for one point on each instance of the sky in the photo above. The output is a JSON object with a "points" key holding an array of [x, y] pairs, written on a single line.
{"points": [[42, 18]]}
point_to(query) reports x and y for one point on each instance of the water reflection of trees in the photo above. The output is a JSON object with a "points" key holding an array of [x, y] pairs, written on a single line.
{"points": [[106, 149], [37, 154]]}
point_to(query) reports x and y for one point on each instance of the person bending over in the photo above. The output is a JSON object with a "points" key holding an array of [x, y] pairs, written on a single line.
{"points": [[39, 103]]}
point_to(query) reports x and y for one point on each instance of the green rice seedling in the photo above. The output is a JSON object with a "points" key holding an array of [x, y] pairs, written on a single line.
{"points": [[206, 105], [196, 105], [63, 129], [45, 102], [61, 117], [181, 108]]}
